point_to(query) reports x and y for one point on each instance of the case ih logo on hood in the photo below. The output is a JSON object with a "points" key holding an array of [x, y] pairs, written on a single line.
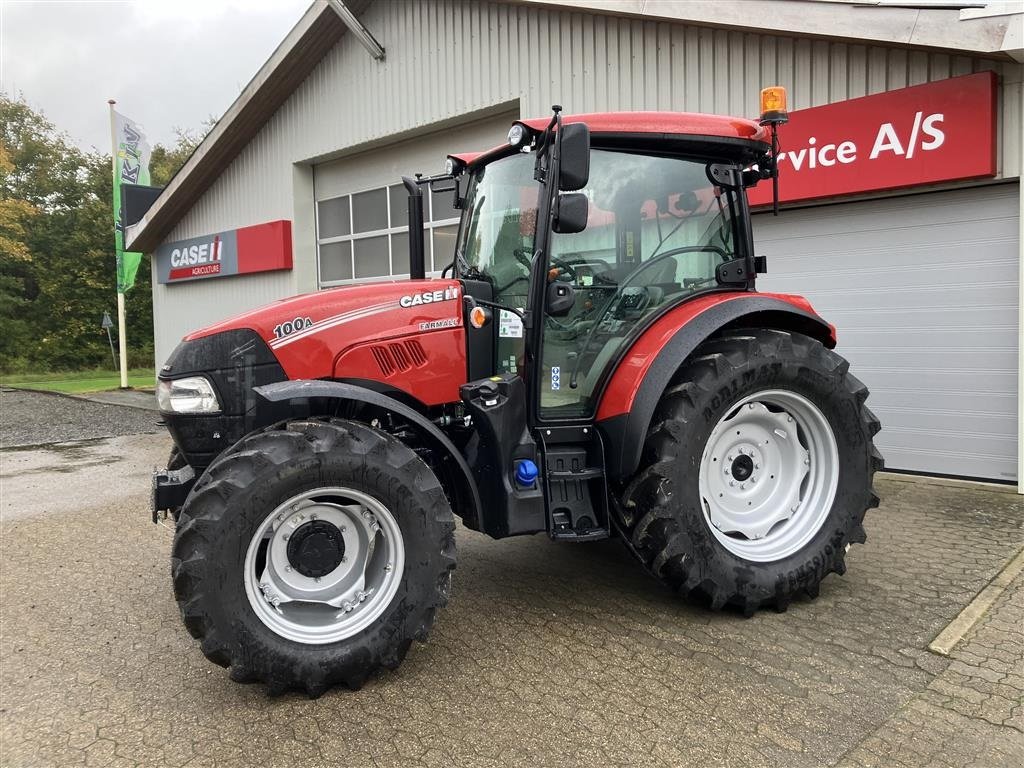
{"points": [[429, 297]]}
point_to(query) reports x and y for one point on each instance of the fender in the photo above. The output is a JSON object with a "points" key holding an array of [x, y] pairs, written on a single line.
{"points": [[645, 369], [459, 485]]}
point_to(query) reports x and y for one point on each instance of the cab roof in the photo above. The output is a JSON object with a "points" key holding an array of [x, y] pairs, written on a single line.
{"points": [[645, 126]]}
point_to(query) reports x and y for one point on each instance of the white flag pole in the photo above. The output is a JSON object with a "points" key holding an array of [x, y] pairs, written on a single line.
{"points": [[122, 339]]}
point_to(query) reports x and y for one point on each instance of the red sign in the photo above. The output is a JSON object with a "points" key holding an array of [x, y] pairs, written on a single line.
{"points": [[924, 134], [260, 248]]}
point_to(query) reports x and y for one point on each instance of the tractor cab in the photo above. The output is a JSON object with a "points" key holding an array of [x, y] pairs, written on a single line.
{"points": [[575, 236]]}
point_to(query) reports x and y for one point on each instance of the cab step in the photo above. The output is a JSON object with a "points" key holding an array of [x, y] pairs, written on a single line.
{"points": [[577, 493]]}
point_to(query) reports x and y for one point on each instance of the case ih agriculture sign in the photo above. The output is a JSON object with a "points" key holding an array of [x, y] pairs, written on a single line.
{"points": [[924, 134], [260, 248]]}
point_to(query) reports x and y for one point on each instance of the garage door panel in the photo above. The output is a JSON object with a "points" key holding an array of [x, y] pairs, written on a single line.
{"points": [[884, 362], [923, 291], [938, 460], [978, 417], [971, 207], [905, 331], [901, 243], [858, 294]]}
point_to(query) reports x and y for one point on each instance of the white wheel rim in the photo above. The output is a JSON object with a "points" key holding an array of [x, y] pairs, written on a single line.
{"points": [[334, 605], [768, 475]]}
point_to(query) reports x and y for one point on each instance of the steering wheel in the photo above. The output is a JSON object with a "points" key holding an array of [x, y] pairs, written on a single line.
{"points": [[526, 259], [624, 284]]}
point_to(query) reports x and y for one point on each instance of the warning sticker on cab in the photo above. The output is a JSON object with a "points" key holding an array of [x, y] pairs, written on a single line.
{"points": [[510, 326]]}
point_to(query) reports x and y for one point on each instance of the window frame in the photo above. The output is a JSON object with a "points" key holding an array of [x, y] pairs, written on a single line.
{"points": [[429, 225]]}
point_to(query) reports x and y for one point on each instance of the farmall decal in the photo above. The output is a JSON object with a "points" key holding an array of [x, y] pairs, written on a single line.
{"points": [[925, 134]]}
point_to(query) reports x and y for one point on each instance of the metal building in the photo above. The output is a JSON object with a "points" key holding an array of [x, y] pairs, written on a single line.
{"points": [[921, 271]]}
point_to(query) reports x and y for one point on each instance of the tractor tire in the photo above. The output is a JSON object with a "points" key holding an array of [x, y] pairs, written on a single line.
{"points": [[313, 553], [757, 472]]}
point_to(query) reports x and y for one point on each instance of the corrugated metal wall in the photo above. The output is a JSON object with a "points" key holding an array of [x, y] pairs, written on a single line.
{"points": [[454, 57]]}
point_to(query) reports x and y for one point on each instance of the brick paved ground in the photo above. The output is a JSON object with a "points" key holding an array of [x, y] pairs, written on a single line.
{"points": [[972, 712], [548, 655]]}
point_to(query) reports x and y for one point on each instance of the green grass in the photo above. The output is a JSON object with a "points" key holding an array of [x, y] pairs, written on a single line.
{"points": [[79, 381]]}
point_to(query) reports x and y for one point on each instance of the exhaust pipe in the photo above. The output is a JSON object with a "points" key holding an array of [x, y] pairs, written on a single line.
{"points": [[417, 268]]}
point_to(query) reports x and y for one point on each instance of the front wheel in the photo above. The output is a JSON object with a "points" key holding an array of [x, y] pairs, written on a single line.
{"points": [[313, 553], [757, 472]]}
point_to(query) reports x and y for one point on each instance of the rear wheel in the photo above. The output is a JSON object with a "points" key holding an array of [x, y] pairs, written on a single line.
{"points": [[757, 472], [313, 554]]}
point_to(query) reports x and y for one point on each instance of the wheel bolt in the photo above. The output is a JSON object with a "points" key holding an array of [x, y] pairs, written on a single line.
{"points": [[288, 568], [807, 461], [343, 529], [794, 508], [732, 482], [757, 466], [750, 405], [285, 537], [344, 558], [388, 567], [317, 579], [743, 486]]}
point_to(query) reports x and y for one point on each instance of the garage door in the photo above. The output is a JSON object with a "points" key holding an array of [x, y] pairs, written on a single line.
{"points": [[923, 290], [362, 206]]}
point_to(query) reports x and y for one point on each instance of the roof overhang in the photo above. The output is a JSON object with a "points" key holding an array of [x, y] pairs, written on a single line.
{"points": [[994, 29], [297, 55]]}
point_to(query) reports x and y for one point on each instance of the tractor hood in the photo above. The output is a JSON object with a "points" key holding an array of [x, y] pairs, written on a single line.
{"points": [[372, 331]]}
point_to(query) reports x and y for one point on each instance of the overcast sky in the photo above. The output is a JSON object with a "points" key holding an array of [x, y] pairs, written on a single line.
{"points": [[168, 63]]}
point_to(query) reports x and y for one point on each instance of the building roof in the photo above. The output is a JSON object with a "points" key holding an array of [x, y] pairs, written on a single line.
{"points": [[993, 30]]}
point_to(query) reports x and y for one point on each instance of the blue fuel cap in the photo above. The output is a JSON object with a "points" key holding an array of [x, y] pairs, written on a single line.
{"points": [[526, 472]]}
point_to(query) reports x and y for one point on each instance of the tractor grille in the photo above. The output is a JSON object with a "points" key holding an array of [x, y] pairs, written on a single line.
{"points": [[399, 357]]}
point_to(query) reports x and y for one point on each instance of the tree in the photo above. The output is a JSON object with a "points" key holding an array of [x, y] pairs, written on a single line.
{"points": [[57, 271]]}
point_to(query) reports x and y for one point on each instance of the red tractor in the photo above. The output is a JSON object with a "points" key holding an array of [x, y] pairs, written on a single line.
{"points": [[595, 362]]}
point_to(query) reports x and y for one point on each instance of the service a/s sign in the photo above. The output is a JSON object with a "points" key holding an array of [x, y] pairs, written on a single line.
{"points": [[259, 248], [925, 134]]}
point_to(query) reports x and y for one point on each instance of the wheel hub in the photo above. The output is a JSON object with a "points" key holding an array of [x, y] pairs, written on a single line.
{"points": [[768, 475], [742, 467], [316, 548], [324, 565]]}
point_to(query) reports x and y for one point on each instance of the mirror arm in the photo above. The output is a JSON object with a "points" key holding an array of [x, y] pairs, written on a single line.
{"points": [[472, 301]]}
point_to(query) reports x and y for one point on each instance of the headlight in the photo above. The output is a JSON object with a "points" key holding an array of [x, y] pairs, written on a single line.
{"points": [[193, 394]]}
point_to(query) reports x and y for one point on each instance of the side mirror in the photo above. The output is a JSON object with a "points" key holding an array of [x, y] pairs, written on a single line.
{"points": [[573, 208], [574, 148], [560, 298]]}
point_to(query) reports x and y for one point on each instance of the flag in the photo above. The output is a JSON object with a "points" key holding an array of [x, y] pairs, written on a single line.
{"points": [[131, 166]]}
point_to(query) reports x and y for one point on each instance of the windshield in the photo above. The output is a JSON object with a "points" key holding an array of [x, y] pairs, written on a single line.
{"points": [[657, 229]]}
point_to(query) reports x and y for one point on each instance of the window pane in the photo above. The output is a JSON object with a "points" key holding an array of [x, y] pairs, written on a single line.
{"points": [[444, 246], [400, 253], [399, 205], [443, 208], [371, 256], [335, 261], [333, 217], [370, 210]]}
